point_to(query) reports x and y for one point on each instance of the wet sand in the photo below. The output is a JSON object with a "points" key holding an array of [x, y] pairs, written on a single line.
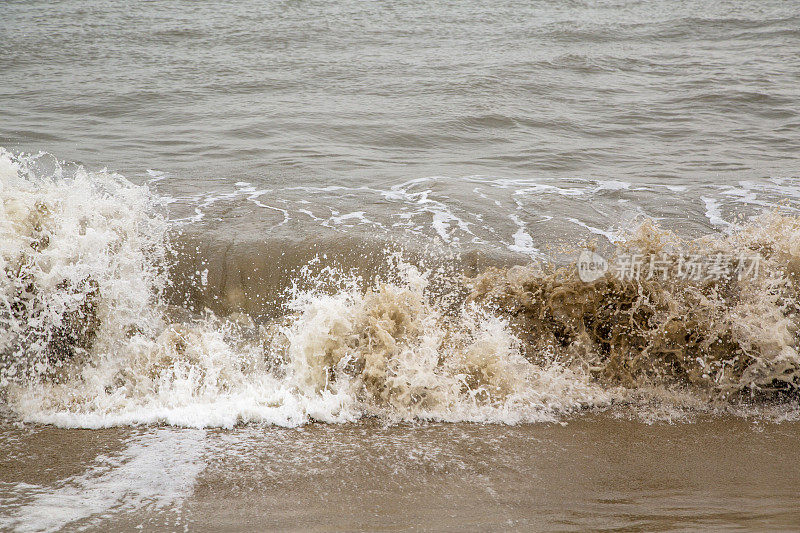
{"points": [[595, 472]]}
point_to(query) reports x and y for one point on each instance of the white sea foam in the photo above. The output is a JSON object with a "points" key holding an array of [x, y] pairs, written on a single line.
{"points": [[523, 242], [714, 213], [155, 471], [612, 236]]}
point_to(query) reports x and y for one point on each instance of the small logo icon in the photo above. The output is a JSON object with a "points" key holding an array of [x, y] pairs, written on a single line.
{"points": [[591, 266]]}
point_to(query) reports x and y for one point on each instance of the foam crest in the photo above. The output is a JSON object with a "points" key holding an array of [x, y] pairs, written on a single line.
{"points": [[398, 355], [387, 351], [82, 258]]}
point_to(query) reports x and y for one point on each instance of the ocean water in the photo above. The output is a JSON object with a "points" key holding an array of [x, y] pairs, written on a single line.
{"points": [[312, 265]]}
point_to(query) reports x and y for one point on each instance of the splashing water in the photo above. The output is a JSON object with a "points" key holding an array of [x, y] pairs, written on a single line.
{"points": [[88, 339]]}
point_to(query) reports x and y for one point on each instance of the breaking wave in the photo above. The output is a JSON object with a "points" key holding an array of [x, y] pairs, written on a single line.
{"points": [[90, 335], [729, 335]]}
